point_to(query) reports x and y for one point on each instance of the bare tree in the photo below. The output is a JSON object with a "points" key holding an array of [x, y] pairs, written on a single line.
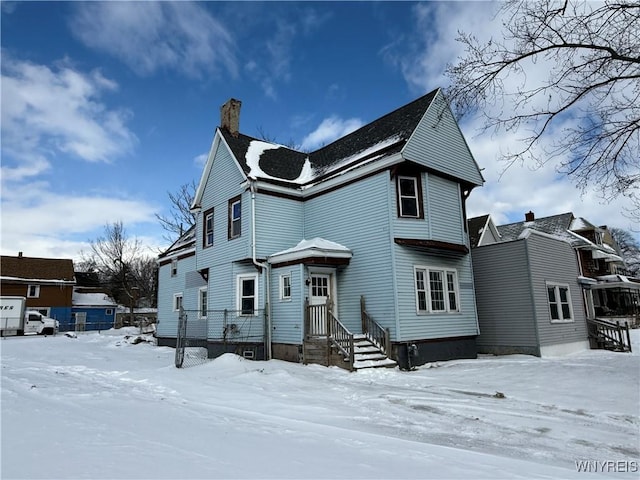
{"points": [[629, 250], [180, 218], [122, 265], [566, 76]]}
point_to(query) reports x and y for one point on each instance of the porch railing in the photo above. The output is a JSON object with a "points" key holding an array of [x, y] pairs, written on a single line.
{"points": [[609, 335], [373, 330], [321, 322]]}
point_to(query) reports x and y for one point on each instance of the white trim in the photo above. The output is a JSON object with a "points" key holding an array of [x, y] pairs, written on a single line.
{"points": [[284, 298], [415, 197], [174, 267], [36, 293], [316, 247], [206, 291], [239, 279], [427, 289], [174, 304], [560, 349], [557, 286]]}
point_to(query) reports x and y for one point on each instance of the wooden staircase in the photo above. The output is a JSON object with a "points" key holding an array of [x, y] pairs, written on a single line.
{"points": [[369, 355], [328, 342], [609, 336]]}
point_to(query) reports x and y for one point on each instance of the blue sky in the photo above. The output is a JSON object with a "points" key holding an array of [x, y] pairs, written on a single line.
{"points": [[106, 107]]}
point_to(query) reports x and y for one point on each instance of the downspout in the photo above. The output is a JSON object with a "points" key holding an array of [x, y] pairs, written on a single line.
{"points": [[261, 265]]}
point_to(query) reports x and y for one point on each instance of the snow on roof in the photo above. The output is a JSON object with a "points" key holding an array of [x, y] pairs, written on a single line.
{"points": [[92, 300], [252, 158], [316, 247], [370, 151]]}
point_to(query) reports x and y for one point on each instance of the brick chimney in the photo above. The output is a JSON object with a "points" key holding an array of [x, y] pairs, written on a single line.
{"points": [[529, 216], [230, 116]]}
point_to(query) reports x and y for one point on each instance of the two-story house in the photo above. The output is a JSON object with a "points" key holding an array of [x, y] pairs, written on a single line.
{"points": [[303, 256], [46, 283]]}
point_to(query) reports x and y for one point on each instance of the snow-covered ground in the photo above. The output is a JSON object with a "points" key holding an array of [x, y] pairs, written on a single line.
{"points": [[99, 406]]}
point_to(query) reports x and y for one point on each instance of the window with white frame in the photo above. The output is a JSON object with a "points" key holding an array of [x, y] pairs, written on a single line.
{"points": [[174, 267], [33, 291], [203, 302], [409, 196], [235, 218], [559, 298], [207, 230], [285, 287], [108, 311], [436, 290], [177, 302], [247, 294]]}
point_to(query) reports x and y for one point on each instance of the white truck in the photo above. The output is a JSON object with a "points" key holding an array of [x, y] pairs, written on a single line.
{"points": [[15, 319]]}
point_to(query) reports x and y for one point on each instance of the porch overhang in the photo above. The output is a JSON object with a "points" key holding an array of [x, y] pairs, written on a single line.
{"points": [[317, 251], [428, 245]]}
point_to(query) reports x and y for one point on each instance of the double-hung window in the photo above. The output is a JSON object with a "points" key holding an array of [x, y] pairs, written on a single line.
{"points": [[285, 287], [235, 218], [207, 230], [202, 302], [177, 302], [436, 290], [174, 267], [559, 299], [247, 294], [409, 196]]}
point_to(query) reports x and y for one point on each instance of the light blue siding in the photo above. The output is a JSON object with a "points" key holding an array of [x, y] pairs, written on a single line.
{"points": [[288, 315], [438, 144], [167, 287], [217, 195], [357, 216], [445, 210], [416, 326], [279, 224]]}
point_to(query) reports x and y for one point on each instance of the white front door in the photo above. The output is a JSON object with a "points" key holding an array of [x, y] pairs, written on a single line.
{"points": [[319, 291]]}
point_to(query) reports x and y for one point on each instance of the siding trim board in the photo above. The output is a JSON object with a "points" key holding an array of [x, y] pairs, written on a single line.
{"points": [[432, 245]]}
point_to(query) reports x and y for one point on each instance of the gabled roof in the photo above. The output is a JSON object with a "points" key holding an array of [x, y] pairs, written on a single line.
{"points": [[36, 270], [476, 227], [283, 165], [557, 225], [184, 244]]}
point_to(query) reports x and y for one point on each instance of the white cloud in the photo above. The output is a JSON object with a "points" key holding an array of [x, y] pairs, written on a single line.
{"points": [[330, 129], [41, 222], [52, 111], [51, 115], [201, 159], [151, 36], [422, 56]]}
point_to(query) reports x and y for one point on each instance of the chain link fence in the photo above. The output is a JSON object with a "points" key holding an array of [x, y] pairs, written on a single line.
{"points": [[228, 329]]}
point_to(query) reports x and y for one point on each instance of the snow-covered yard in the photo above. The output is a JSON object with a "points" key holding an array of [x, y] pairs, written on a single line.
{"points": [[98, 406]]}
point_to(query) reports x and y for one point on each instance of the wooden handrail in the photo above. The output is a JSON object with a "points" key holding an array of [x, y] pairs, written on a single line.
{"points": [[373, 330], [608, 332]]}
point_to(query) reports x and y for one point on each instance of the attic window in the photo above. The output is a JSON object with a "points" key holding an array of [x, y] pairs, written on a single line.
{"points": [[409, 192], [174, 267], [235, 218], [207, 230]]}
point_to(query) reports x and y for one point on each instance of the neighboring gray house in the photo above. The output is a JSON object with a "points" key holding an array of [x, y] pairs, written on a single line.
{"points": [[527, 292], [303, 256]]}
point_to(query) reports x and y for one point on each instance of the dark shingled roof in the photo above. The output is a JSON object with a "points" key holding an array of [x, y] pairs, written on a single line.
{"points": [[553, 225], [286, 164], [37, 268], [476, 227]]}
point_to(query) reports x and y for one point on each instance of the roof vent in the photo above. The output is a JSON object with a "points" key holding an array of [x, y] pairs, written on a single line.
{"points": [[230, 116], [529, 216]]}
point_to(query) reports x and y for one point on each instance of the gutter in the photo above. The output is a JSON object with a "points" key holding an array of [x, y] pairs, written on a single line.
{"points": [[261, 265]]}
